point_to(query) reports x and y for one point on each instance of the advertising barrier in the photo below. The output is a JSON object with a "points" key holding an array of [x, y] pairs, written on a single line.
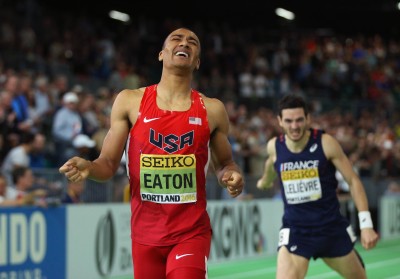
{"points": [[32, 243], [93, 241], [389, 216]]}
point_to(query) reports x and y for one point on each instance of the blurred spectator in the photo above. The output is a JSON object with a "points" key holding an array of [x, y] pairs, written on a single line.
{"points": [[39, 155], [19, 155], [101, 133], [8, 124], [85, 147], [393, 189], [58, 88], [67, 125], [45, 105], [20, 103], [74, 192], [23, 181], [87, 110], [7, 194]]}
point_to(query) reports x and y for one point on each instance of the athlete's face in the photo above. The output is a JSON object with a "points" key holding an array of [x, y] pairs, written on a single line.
{"points": [[182, 49], [294, 123]]}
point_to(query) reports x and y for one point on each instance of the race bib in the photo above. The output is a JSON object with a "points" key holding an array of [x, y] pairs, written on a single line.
{"points": [[301, 185], [168, 178], [284, 237]]}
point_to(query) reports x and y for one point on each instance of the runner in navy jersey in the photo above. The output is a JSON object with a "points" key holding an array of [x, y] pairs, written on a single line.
{"points": [[305, 161]]}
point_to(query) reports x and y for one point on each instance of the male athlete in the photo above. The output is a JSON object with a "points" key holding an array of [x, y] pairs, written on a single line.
{"points": [[171, 133], [305, 160]]}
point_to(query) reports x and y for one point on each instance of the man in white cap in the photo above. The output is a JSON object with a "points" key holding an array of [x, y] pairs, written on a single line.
{"points": [[67, 125], [84, 147]]}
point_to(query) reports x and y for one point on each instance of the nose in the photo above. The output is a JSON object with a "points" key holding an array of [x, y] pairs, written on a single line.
{"points": [[184, 42]]}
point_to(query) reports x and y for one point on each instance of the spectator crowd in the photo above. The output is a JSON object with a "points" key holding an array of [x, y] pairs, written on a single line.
{"points": [[59, 75]]}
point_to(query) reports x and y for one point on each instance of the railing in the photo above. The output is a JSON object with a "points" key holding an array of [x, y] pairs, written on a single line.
{"points": [[112, 190]]}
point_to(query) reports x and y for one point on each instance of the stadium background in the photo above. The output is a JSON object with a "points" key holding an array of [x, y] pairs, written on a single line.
{"points": [[258, 27]]}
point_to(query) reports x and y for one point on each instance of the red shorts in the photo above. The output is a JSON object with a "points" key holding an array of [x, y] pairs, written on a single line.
{"points": [[155, 262]]}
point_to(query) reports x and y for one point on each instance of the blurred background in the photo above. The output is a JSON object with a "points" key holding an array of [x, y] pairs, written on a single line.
{"points": [[63, 63], [342, 56]]}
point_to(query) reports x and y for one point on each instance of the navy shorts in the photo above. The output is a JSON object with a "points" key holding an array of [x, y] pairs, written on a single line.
{"points": [[334, 241]]}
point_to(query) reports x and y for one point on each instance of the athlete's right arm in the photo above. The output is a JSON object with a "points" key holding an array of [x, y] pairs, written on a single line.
{"points": [[269, 174], [123, 116]]}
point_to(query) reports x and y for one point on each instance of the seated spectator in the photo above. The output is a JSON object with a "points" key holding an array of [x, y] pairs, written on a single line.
{"points": [[7, 194], [26, 194], [393, 189], [74, 192], [19, 155], [85, 147]]}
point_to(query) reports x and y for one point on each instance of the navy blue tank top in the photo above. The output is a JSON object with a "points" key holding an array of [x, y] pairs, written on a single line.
{"points": [[308, 184]]}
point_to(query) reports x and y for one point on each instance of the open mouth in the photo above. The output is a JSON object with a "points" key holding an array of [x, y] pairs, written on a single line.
{"points": [[182, 54]]}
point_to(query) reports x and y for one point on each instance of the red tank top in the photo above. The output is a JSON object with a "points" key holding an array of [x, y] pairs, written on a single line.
{"points": [[167, 160]]}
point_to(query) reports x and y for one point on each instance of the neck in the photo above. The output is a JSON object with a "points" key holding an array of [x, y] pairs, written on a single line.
{"points": [[175, 84], [298, 146]]}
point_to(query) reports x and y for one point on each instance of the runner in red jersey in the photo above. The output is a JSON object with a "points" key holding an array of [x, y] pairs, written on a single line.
{"points": [[171, 134]]}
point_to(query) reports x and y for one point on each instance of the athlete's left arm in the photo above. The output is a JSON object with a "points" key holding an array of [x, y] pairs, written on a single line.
{"points": [[228, 172], [335, 153]]}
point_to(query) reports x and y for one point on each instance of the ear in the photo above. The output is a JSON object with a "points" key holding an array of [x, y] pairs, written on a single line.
{"points": [[198, 64], [308, 119], [279, 120], [160, 54]]}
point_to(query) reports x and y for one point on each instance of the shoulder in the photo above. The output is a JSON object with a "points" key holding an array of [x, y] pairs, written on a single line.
{"points": [[212, 103], [328, 139], [216, 113], [331, 146], [128, 98], [271, 146], [126, 105], [128, 94]]}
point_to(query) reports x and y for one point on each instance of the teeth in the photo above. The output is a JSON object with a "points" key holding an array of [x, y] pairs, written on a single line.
{"points": [[182, 53]]}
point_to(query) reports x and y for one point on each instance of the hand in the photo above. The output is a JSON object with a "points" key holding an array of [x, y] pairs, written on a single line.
{"points": [[76, 169], [233, 182], [261, 184], [369, 238]]}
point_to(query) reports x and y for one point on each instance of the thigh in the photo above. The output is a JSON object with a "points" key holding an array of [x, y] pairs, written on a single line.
{"points": [[189, 254], [349, 266], [291, 266], [149, 262], [337, 243]]}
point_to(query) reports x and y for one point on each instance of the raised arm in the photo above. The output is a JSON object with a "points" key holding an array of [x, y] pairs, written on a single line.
{"points": [[227, 171], [269, 174]]}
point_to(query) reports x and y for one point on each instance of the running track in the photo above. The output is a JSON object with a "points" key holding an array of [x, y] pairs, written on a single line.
{"points": [[382, 262]]}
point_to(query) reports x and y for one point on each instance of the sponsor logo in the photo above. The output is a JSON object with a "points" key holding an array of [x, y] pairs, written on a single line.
{"points": [[313, 147], [105, 245], [293, 248], [147, 120], [177, 257]]}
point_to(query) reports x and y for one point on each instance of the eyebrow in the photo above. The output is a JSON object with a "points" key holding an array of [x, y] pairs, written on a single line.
{"points": [[189, 37], [294, 119]]}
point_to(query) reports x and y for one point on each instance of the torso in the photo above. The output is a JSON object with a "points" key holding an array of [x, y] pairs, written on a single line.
{"points": [[308, 183], [168, 197]]}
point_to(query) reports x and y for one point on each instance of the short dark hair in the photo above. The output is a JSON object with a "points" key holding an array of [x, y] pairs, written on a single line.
{"points": [[18, 172], [27, 138], [291, 102]]}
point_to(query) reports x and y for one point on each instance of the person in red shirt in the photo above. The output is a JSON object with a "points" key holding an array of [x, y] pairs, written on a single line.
{"points": [[171, 134]]}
